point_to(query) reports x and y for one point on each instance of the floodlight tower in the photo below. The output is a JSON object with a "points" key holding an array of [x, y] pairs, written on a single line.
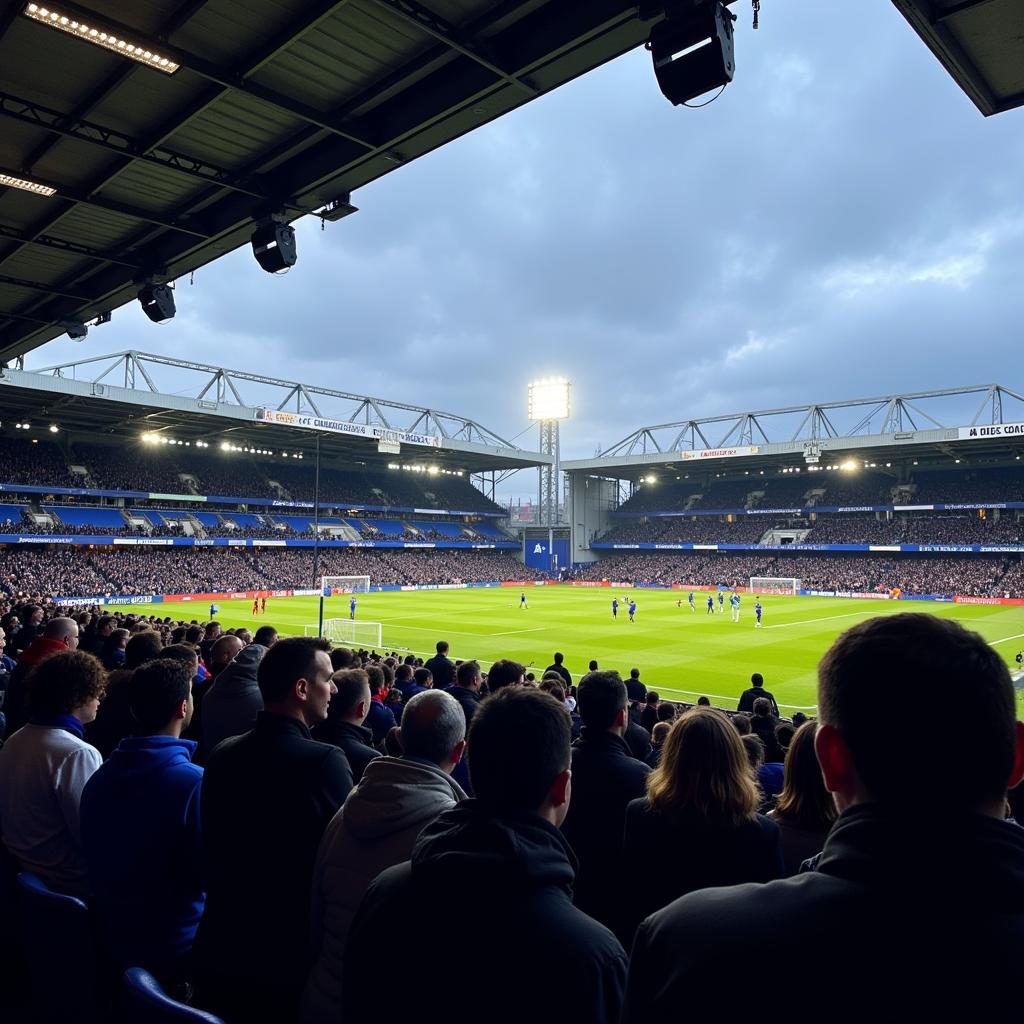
{"points": [[548, 403]]}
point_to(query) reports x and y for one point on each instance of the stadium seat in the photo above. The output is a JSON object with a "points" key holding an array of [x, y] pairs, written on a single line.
{"points": [[60, 949], [143, 1002]]}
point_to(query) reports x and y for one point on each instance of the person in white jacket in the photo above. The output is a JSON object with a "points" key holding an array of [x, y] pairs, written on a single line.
{"points": [[377, 827], [44, 767]]}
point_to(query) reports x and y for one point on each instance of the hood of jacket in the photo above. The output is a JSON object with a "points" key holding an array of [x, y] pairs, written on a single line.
{"points": [[238, 678], [470, 844], [40, 648], [147, 755], [396, 793]]}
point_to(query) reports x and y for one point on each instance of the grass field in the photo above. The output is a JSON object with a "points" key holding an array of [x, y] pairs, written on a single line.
{"points": [[680, 653]]}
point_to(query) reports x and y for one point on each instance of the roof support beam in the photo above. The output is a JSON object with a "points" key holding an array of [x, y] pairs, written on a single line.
{"points": [[62, 245]]}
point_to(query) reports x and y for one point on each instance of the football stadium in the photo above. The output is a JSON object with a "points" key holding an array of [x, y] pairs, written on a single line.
{"points": [[289, 682]]}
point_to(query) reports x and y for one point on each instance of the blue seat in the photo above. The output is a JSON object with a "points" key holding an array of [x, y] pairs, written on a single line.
{"points": [[143, 1002], [60, 950]]}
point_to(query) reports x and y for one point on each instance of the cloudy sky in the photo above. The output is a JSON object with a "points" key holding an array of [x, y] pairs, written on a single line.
{"points": [[841, 222]]}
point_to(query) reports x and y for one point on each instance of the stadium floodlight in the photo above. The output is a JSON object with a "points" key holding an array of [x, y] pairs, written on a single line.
{"points": [[26, 185], [157, 301], [273, 245], [692, 51], [548, 399], [54, 428], [46, 15]]}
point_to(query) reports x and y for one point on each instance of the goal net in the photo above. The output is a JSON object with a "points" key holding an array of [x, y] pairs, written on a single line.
{"points": [[331, 586], [349, 632], [774, 585]]}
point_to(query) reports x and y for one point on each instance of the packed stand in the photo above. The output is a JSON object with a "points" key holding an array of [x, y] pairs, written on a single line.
{"points": [[669, 530], [134, 466], [971, 486], [39, 463], [255, 821]]}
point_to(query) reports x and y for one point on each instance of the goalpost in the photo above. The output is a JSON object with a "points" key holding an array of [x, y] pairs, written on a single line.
{"points": [[348, 630], [774, 585]]}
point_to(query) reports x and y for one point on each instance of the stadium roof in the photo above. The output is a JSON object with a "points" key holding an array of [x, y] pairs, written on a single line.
{"points": [[119, 395], [227, 114], [952, 423], [277, 107], [979, 42]]}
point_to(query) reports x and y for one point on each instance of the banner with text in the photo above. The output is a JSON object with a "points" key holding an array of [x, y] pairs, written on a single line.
{"points": [[293, 419]]}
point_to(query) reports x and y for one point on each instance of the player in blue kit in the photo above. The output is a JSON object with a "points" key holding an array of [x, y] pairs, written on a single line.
{"points": [[757, 613], [352, 607], [721, 603], [213, 611], [711, 605], [632, 610], [615, 607], [693, 606], [522, 600], [734, 604]]}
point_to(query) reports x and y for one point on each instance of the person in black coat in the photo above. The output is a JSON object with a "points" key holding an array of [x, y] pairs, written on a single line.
{"points": [[560, 669], [266, 798], [467, 689], [605, 778], [343, 727], [698, 826], [499, 870], [442, 668], [755, 690], [915, 908]]}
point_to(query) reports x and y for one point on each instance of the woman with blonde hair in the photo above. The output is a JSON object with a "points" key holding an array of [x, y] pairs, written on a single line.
{"points": [[804, 810], [698, 826]]}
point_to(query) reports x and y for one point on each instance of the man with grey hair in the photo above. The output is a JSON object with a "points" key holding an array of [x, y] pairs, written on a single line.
{"points": [[376, 828]]}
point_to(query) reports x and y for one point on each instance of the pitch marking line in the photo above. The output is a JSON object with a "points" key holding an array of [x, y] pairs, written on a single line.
{"points": [[462, 632], [1005, 639]]}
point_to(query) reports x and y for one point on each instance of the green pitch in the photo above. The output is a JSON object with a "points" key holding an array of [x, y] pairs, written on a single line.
{"points": [[680, 653]]}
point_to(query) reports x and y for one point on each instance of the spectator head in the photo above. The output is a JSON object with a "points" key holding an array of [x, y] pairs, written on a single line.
{"points": [[104, 625], [434, 729], [423, 677], [554, 687], [178, 634], [294, 678], [660, 732], [351, 703], [601, 702], [784, 734], [704, 770], [266, 636], [467, 675], [505, 673], [754, 746], [652, 698], [799, 718], [32, 615], [762, 707], [341, 658], [667, 711], [592, 667], [213, 630], [244, 635], [376, 676], [635, 689], [741, 723], [63, 630], [757, 679], [864, 757], [223, 652], [161, 697], [703, 702], [194, 634], [393, 741], [559, 657], [142, 647], [67, 683], [185, 653], [442, 648], [804, 800], [403, 675], [513, 720]]}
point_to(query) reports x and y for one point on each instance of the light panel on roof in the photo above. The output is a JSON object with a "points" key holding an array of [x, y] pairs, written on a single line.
{"points": [[28, 186], [108, 40]]}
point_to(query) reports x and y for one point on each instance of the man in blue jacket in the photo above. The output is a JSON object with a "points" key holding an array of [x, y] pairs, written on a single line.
{"points": [[140, 831]]}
